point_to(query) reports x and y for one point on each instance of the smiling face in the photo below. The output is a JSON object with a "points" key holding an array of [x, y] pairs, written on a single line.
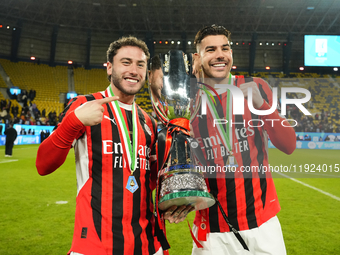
{"points": [[128, 70], [215, 56]]}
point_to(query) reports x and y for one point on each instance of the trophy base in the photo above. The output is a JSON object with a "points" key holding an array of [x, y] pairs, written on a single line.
{"points": [[198, 199]]}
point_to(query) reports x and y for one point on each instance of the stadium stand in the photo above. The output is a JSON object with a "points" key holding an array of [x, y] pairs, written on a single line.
{"points": [[325, 97], [52, 82], [1, 95], [90, 81], [323, 105], [143, 99], [2, 83], [48, 81]]}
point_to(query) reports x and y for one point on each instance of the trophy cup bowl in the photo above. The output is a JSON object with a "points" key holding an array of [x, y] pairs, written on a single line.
{"points": [[180, 181]]}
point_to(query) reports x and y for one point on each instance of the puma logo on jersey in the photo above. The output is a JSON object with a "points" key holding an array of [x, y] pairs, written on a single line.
{"points": [[113, 121]]}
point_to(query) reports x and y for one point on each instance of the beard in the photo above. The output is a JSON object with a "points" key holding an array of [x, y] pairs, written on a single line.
{"points": [[209, 74], [116, 80], [155, 91]]}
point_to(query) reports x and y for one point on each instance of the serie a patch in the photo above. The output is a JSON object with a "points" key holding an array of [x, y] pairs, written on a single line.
{"points": [[83, 233]]}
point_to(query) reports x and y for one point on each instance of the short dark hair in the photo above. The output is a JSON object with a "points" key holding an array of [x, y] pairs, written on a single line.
{"points": [[211, 30], [125, 41], [155, 63]]}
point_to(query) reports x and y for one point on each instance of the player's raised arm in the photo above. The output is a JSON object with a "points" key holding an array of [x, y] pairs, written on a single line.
{"points": [[53, 151], [278, 128], [256, 95]]}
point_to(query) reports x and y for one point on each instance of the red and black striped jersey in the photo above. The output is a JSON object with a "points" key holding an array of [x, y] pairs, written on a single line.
{"points": [[109, 218], [248, 199]]}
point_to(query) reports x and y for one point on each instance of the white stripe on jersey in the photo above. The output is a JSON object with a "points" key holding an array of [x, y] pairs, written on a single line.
{"points": [[82, 162]]}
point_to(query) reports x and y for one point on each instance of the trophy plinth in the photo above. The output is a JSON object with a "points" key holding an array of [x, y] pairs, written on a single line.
{"points": [[181, 182], [184, 188]]}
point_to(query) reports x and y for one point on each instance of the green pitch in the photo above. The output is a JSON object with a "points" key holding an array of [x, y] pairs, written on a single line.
{"points": [[37, 213]]}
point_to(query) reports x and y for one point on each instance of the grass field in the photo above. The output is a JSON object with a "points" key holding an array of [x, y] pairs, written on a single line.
{"points": [[35, 218]]}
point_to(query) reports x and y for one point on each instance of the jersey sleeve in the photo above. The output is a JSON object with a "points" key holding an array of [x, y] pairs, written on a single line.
{"points": [[280, 132], [53, 151]]}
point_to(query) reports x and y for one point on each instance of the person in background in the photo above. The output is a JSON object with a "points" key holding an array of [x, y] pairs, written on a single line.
{"points": [[156, 78], [11, 135], [3, 114]]}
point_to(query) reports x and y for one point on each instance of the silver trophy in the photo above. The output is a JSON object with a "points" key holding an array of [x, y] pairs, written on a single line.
{"points": [[180, 181]]}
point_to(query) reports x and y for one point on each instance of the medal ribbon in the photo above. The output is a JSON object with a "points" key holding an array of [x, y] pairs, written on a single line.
{"points": [[130, 150], [160, 111], [195, 108], [201, 90], [228, 132]]}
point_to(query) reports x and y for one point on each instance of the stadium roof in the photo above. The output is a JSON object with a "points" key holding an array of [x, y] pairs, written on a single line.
{"points": [[172, 17]]}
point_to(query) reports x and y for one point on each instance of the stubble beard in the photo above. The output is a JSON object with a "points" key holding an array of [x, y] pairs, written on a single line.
{"points": [[155, 90], [211, 76], [117, 82]]}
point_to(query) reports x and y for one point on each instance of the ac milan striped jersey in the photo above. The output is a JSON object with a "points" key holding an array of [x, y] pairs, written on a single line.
{"points": [[248, 199], [110, 219]]}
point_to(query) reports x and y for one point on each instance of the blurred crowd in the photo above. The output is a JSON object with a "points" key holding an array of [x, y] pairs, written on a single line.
{"points": [[23, 97], [29, 115], [319, 122]]}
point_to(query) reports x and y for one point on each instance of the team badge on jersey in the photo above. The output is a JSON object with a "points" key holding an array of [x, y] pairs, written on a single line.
{"points": [[147, 129], [132, 184], [194, 145]]}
